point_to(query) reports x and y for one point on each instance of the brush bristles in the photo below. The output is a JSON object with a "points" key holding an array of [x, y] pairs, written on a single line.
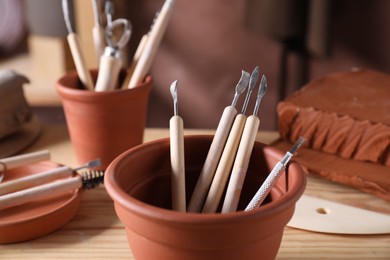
{"points": [[92, 178]]}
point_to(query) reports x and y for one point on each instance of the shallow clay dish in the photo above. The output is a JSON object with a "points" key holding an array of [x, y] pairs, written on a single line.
{"points": [[38, 218]]}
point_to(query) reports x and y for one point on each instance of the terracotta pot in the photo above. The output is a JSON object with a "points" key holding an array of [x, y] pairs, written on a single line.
{"points": [[103, 124], [139, 183]]}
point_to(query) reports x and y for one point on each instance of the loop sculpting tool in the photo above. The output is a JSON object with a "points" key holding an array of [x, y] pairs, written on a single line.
{"points": [[178, 185], [152, 44], [229, 152], [270, 181], [97, 30], [208, 170], [111, 61], [42, 177], [244, 152], [75, 49]]}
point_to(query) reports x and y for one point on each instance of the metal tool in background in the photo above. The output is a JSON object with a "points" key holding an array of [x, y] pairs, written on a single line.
{"points": [[98, 29], [111, 60], [225, 163], [75, 49], [244, 152], [272, 178], [177, 155], [216, 148]]}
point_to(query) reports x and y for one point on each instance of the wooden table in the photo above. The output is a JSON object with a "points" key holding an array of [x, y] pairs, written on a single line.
{"points": [[96, 232]]}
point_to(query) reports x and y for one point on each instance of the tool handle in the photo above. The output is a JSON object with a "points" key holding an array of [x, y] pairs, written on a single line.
{"points": [[178, 165], [224, 166], [265, 188], [108, 73], [210, 165], [99, 41], [152, 44], [25, 159], [240, 166], [35, 179], [137, 54], [40, 192], [82, 71]]}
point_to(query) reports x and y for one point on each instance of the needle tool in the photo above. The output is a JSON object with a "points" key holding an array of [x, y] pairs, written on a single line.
{"points": [[244, 152], [97, 30], [177, 156], [43, 177], [23, 159], [85, 180], [214, 154], [272, 178], [75, 49], [229, 152], [111, 61], [152, 44]]}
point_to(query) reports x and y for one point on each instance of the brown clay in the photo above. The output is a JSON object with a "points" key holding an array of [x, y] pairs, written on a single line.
{"points": [[139, 183], [103, 124]]}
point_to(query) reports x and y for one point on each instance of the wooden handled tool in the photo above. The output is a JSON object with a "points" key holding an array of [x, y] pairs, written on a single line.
{"points": [[86, 180], [152, 44], [229, 152], [75, 49], [42, 177], [24, 159], [244, 152], [178, 184], [210, 165], [97, 30]]}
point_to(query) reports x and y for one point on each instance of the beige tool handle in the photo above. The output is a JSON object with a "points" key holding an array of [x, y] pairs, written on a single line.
{"points": [[177, 163], [99, 41], [134, 62], [108, 73], [152, 44], [224, 166], [240, 165], [210, 165], [82, 71], [25, 159], [35, 179], [40, 192]]}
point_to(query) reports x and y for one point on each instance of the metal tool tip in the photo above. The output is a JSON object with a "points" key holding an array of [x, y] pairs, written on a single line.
{"points": [[243, 82], [94, 163], [301, 140], [253, 78], [173, 89]]}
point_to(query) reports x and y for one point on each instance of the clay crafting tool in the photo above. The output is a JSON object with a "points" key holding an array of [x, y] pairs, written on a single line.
{"points": [[320, 215], [151, 47], [178, 184], [43, 177], [244, 152], [272, 178], [229, 152], [86, 180], [111, 61], [97, 30], [75, 49], [23, 159], [221, 134]]}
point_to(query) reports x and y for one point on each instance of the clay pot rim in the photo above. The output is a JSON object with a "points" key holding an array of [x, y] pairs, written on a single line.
{"points": [[85, 95], [153, 212]]}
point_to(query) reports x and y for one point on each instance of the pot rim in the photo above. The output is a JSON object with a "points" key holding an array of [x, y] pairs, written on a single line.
{"points": [[141, 208]]}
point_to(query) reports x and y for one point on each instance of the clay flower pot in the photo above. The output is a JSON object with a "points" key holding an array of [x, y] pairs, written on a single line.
{"points": [[139, 183], [103, 124]]}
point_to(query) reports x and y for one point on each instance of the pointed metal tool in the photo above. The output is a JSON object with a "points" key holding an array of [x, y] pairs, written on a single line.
{"points": [[252, 83], [225, 124]]}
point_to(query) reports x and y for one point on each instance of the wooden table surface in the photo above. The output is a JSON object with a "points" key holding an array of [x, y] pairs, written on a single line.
{"points": [[96, 232]]}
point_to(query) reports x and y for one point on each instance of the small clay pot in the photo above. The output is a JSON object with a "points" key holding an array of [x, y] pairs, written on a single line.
{"points": [[103, 124], [139, 183]]}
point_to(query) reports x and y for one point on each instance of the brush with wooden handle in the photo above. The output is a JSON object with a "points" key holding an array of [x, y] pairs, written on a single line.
{"points": [[178, 184], [244, 152], [214, 154], [42, 177], [229, 152], [87, 180], [75, 49], [151, 47]]}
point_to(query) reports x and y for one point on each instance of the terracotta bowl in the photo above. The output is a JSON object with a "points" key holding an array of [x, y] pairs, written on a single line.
{"points": [[139, 183]]}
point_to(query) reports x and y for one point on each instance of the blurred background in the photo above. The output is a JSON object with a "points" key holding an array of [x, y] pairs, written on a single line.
{"points": [[205, 47]]}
